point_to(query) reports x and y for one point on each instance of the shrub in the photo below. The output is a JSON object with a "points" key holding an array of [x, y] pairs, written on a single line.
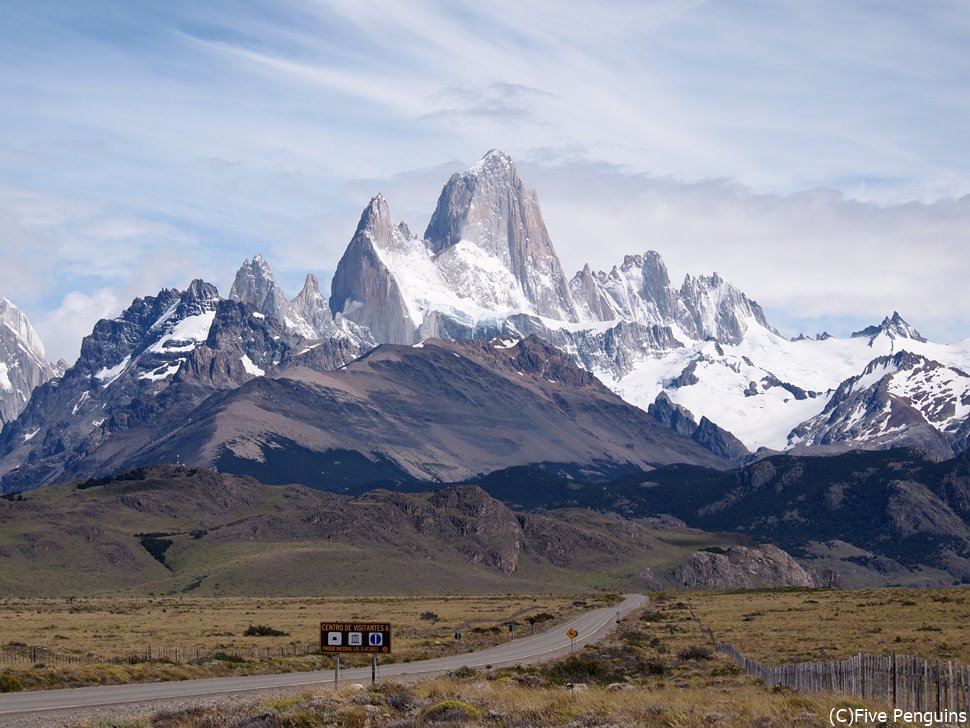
{"points": [[696, 653], [463, 673], [226, 657], [576, 669], [429, 616], [122, 723], [452, 710], [485, 630], [397, 696], [261, 630], [10, 684], [304, 718]]}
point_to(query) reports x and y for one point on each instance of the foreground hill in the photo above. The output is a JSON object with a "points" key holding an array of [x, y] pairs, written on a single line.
{"points": [[175, 529]]}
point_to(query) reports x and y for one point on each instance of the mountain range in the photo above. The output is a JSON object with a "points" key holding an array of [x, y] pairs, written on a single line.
{"points": [[861, 518], [700, 357]]}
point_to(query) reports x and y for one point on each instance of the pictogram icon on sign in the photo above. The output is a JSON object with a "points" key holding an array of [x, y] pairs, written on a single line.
{"points": [[355, 638], [375, 639], [334, 638]]}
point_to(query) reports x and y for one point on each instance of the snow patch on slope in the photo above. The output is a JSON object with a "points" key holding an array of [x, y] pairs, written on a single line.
{"points": [[107, 375], [186, 334], [163, 372], [250, 367]]}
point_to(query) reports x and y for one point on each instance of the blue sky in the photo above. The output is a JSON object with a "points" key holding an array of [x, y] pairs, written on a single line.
{"points": [[813, 153]]}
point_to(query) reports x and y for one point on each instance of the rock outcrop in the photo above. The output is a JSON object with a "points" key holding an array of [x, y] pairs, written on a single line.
{"points": [[736, 567]]}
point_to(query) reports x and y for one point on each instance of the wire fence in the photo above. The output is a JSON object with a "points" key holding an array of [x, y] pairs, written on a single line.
{"points": [[13, 654], [905, 682]]}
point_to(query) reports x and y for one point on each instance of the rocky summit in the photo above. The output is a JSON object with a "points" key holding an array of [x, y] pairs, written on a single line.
{"points": [[699, 354], [155, 362], [23, 364]]}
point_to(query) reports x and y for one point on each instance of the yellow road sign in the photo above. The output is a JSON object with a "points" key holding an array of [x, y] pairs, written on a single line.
{"points": [[572, 634]]}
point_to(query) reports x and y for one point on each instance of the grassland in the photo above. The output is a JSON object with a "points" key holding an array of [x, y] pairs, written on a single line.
{"points": [[130, 631], [779, 626], [653, 671], [656, 670]]}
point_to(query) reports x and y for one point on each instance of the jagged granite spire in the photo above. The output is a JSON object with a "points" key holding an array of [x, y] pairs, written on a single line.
{"points": [[364, 289], [489, 206], [704, 307], [23, 364], [254, 285], [310, 306]]}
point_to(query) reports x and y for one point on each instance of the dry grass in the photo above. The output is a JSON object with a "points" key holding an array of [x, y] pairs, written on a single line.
{"points": [[112, 629], [817, 625], [637, 678]]}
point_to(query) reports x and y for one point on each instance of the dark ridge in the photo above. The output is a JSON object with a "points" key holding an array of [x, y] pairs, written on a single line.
{"points": [[157, 548], [341, 471]]}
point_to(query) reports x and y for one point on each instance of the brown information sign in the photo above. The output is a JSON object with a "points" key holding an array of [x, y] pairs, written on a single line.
{"points": [[368, 637]]}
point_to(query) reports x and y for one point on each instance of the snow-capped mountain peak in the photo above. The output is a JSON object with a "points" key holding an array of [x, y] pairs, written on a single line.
{"points": [[486, 256], [23, 365], [255, 286], [14, 319], [893, 327], [900, 398], [704, 307], [489, 206]]}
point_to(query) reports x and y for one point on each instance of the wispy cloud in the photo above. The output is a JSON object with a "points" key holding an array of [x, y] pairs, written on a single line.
{"points": [[815, 259], [498, 101], [217, 129]]}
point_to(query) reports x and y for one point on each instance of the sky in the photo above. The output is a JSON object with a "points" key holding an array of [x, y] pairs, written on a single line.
{"points": [[815, 154]]}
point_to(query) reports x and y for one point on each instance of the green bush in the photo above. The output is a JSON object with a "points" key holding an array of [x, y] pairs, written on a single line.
{"points": [[696, 653], [226, 657], [577, 669], [448, 710], [397, 696], [463, 673], [10, 684], [261, 630], [123, 723]]}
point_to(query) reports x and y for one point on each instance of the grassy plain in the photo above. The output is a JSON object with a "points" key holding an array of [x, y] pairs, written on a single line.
{"points": [[657, 668], [780, 626], [423, 626], [654, 670]]}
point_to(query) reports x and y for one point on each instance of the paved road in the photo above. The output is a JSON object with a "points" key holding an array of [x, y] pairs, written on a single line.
{"points": [[591, 626]]}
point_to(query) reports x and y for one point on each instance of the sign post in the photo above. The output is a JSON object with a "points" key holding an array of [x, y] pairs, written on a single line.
{"points": [[572, 635], [373, 638]]}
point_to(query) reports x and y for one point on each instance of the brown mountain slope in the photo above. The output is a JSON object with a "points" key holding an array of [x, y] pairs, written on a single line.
{"points": [[439, 411]]}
